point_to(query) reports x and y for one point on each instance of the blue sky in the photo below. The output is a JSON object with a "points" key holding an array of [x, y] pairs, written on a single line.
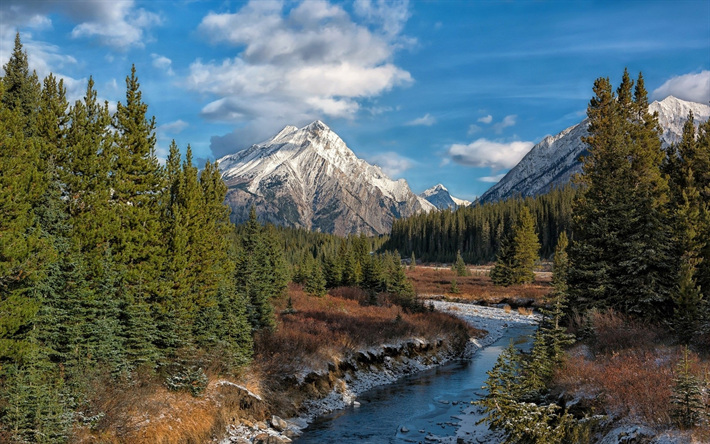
{"points": [[433, 91]]}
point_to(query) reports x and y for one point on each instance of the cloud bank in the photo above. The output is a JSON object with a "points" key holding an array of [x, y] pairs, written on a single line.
{"points": [[694, 87]]}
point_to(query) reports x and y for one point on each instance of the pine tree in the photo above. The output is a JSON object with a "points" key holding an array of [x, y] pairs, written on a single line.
{"points": [[413, 262], [526, 248], [315, 285], [21, 88], [460, 266], [687, 407], [24, 253], [621, 256], [138, 246], [518, 253], [554, 335]]}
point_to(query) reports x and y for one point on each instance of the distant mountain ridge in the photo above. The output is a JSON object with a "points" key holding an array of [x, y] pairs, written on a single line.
{"points": [[440, 197], [554, 160], [308, 177]]}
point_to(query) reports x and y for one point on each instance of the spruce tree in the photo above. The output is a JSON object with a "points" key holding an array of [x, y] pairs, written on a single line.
{"points": [[460, 266], [502, 273], [526, 247], [687, 407], [621, 258], [250, 272], [138, 248], [86, 165], [21, 88], [24, 253], [518, 253], [554, 335], [315, 285]]}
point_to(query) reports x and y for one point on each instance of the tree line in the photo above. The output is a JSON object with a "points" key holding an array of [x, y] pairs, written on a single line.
{"points": [[476, 231]]}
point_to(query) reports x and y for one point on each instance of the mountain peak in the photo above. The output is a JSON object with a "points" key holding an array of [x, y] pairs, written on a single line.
{"points": [[316, 125], [439, 196], [308, 177]]}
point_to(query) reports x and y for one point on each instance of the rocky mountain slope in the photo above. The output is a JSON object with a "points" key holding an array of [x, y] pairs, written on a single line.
{"points": [[309, 178], [439, 196], [555, 159]]}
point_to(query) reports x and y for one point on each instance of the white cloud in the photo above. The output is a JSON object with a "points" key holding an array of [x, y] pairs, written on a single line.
{"points": [[119, 24], [175, 127], [295, 65], [487, 119], [164, 63], [493, 179], [391, 163], [426, 120], [506, 122], [473, 129], [487, 153], [694, 87], [377, 110], [390, 15]]}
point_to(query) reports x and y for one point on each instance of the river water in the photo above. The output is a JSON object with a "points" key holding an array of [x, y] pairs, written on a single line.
{"points": [[435, 402]]}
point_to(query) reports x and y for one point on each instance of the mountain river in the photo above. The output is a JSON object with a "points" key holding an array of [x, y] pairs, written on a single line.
{"points": [[431, 406]]}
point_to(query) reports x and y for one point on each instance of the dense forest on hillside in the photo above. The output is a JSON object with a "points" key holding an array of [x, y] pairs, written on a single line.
{"points": [[477, 230], [631, 284]]}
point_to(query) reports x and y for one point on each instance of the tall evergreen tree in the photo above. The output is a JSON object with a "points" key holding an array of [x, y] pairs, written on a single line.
{"points": [[21, 88], [518, 253], [24, 252], [621, 257], [137, 246]]}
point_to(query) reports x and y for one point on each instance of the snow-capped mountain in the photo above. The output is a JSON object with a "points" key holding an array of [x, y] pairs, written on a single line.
{"points": [[439, 196], [309, 178], [555, 159]]}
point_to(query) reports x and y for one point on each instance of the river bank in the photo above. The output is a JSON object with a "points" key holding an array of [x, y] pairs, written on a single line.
{"points": [[378, 366]]}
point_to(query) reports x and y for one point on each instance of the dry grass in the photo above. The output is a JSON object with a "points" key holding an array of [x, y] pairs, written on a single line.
{"points": [[525, 311], [329, 328], [478, 287], [626, 370], [147, 413]]}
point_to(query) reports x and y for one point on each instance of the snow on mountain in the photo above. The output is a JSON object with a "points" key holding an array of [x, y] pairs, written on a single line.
{"points": [[555, 159], [439, 196], [308, 177]]}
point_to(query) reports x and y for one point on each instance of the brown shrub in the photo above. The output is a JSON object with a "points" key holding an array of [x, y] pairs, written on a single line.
{"points": [[614, 332], [632, 384]]}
